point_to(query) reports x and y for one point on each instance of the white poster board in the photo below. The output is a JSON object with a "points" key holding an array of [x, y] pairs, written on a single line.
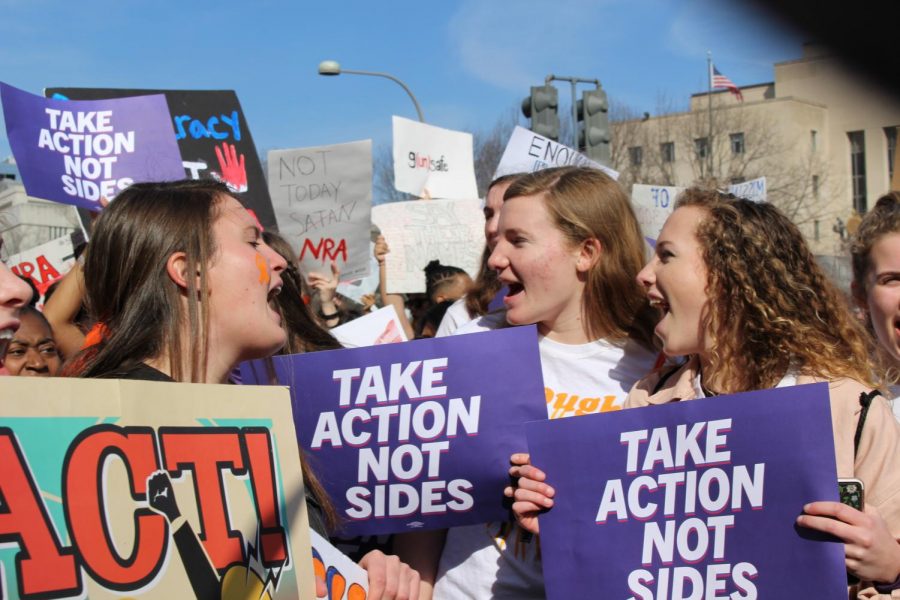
{"points": [[527, 152], [45, 264], [419, 231], [344, 579], [754, 190], [652, 206], [380, 327], [322, 198], [432, 162]]}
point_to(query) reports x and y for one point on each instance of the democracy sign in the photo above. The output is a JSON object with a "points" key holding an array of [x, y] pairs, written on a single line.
{"points": [[47, 263], [691, 500], [78, 152], [415, 435], [432, 162], [527, 152], [652, 206], [213, 138], [323, 199], [419, 231], [149, 489]]}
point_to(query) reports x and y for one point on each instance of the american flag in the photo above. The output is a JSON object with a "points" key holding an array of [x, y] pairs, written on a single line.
{"points": [[720, 82]]}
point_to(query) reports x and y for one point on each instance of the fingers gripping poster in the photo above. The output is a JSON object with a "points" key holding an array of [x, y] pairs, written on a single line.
{"points": [[213, 138], [323, 200], [113, 489]]}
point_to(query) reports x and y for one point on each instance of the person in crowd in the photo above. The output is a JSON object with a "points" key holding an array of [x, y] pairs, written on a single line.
{"points": [[742, 297], [381, 251], [875, 255], [304, 334], [35, 294], [14, 295], [445, 282], [431, 320], [185, 286], [479, 300], [568, 248], [32, 351]]}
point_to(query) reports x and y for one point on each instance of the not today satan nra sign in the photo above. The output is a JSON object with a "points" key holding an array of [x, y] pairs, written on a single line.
{"points": [[415, 435], [691, 500]]}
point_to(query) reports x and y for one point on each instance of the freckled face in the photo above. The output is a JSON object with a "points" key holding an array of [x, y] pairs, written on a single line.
{"points": [[32, 351], [675, 280], [883, 297], [538, 265], [244, 278]]}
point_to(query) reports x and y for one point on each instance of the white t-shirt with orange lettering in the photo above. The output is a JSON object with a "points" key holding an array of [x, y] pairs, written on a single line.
{"points": [[500, 560]]}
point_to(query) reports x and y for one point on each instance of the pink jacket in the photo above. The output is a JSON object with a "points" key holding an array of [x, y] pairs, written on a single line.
{"points": [[877, 463]]}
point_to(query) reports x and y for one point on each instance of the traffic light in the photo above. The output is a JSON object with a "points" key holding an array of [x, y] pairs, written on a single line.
{"points": [[541, 107], [593, 140]]}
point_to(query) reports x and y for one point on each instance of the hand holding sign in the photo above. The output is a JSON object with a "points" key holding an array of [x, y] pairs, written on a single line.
{"points": [[532, 496]]}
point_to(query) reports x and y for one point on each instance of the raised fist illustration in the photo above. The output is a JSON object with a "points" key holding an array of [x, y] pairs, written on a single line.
{"points": [[161, 496]]}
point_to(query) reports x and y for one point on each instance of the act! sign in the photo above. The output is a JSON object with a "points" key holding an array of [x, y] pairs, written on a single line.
{"points": [[415, 435], [323, 200], [432, 162], [527, 152], [78, 152], [691, 500], [112, 488]]}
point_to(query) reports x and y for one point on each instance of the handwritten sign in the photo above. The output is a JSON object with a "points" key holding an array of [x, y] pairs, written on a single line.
{"points": [[379, 327], [670, 501], [323, 199], [415, 435], [150, 489], [527, 152], [77, 152], [213, 138], [45, 264], [418, 232], [754, 189], [652, 206], [433, 162]]}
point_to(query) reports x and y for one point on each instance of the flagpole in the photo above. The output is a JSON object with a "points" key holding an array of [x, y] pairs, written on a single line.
{"points": [[709, 139]]}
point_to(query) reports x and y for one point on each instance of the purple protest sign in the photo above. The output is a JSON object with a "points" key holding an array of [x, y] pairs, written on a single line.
{"points": [[691, 500], [415, 435], [74, 152]]}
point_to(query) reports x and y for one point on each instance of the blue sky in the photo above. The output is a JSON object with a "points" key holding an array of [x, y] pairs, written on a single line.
{"points": [[467, 61]]}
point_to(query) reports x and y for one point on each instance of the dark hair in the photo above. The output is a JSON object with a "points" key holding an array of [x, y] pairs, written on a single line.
{"points": [[127, 286], [433, 317], [35, 294], [304, 334], [878, 222], [486, 286], [438, 277]]}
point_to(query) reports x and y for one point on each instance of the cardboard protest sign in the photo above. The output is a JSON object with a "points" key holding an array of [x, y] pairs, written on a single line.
{"points": [[432, 162], [418, 232], [150, 489], [323, 199], [755, 189], [527, 152], [416, 435], [691, 500], [652, 206], [45, 264], [379, 327], [344, 579], [213, 138], [76, 152]]}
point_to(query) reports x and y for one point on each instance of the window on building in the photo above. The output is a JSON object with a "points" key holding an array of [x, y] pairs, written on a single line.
{"points": [[737, 143], [890, 134], [815, 186], [813, 139], [636, 155], [858, 169], [816, 230], [667, 151], [701, 147]]}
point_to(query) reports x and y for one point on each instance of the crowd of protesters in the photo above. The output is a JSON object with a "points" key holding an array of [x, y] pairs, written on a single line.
{"points": [[731, 299]]}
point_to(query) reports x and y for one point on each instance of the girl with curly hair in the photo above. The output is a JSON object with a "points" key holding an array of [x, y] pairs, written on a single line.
{"points": [[741, 296]]}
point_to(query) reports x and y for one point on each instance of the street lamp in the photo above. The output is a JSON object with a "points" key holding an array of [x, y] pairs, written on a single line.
{"points": [[332, 67]]}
